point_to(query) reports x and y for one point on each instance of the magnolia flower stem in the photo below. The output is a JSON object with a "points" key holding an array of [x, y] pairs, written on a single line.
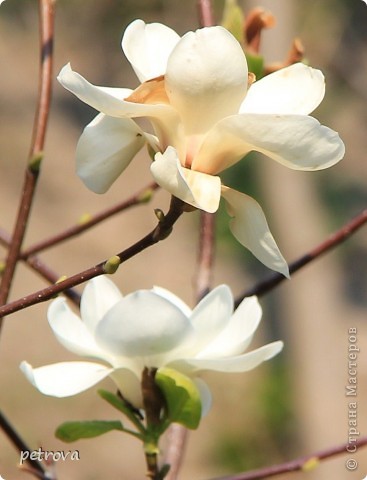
{"points": [[301, 464], [330, 243], [141, 197], [46, 13], [160, 232], [153, 404]]}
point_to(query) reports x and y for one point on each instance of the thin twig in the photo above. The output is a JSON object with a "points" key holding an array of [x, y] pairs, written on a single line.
{"points": [[205, 13], [160, 232], [140, 197], [20, 445], [206, 254], [46, 13], [302, 463], [36, 264], [274, 279]]}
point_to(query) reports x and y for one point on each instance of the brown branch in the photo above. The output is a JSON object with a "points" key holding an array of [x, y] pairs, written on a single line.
{"points": [[294, 465], [274, 279], [206, 254], [140, 197], [205, 13], [46, 13], [160, 232], [36, 264], [21, 446]]}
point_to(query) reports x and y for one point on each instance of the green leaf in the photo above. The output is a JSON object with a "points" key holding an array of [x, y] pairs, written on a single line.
{"points": [[72, 431], [233, 20], [182, 397], [114, 400], [255, 64], [123, 407]]}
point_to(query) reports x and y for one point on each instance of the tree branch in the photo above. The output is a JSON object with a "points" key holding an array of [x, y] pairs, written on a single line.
{"points": [[21, 446], [142, 196], [160, 232], [274, 279], [36, 264], [303, 463], [46, 13]]}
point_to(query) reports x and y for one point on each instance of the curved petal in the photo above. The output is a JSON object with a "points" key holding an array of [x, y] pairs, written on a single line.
{"points": [[147, 47], [129, 385], [237, 335], [66, 378], [205, 395], [195, 188], [296, 141], [206, 77], [70, 331], [185, 309], [240, 363], [297, 89], [250, 228], [105, 148], [110, 101], [143, 324], [210, 317], [99, 296]]}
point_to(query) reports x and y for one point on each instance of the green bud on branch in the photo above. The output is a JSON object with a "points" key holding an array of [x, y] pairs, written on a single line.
{"points": [[35, 162], [112, 265]]}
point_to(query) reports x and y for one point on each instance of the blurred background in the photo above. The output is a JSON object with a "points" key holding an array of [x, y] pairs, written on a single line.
{"points": [[288, 407]]}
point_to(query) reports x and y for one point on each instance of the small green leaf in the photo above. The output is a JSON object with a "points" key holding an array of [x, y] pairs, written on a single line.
{"points": [[255, 64], [72, 431], [233, 20], [123, 407], [182, 397]]}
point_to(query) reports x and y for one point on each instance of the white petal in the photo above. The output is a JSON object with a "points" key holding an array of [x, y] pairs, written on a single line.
{"points": [[250, 228], [143, 324], [106, 100], [185, 309], [239, 363], [205, 395], [195, 188], [70, 331], [147, 47], [110, 101], [206, 77], [105, 148], [295, 89], [129, 385], [66, 378], [296, 141], [237, 335], [99, 296], [210, 317]]}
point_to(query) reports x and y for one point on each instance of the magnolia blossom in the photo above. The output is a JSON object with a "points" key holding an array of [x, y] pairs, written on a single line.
{"points": [[206, 115], [148, 328]]}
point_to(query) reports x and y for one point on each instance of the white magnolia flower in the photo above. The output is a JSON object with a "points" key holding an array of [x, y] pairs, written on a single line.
{"points": [[205, 117], [148, 328]]}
